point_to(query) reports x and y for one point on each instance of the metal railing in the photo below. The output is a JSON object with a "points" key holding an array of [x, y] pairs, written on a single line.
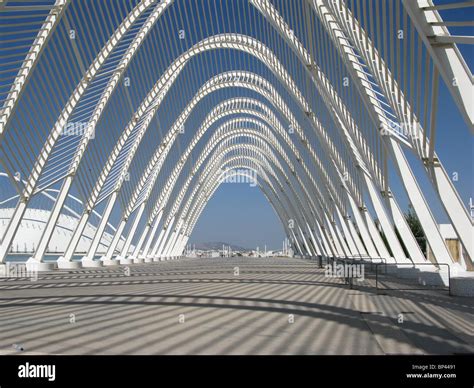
{"points": [[413, 266]]}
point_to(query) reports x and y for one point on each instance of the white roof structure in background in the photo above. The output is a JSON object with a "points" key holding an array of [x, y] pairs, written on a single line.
{"points": [[32, 226]]}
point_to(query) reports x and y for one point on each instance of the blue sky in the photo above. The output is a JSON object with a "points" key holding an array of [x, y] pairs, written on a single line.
{"points": [[240, 214]]}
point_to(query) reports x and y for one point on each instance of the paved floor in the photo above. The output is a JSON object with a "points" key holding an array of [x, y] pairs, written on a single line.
{"points": [[202, 306]]}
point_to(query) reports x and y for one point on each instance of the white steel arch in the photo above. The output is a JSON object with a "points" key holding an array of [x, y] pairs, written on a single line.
{"points": [[158, 208], [249, 133], [338, 164]]}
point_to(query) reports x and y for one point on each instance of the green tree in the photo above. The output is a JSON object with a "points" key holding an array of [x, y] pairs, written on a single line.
{"points": [[416, 228]]}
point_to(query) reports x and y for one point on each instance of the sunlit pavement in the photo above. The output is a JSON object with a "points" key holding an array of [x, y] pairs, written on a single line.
{"points": [[226, 306]]}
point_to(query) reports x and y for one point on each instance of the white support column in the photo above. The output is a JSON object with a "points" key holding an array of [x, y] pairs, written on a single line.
{"points": [[305, 243], [73, 101], [334, 239], [376, 237], [138, 247], [387, 226], [361, 225], [341, 239], [319, 238], [164, 243], [167, 231], [330, 242], [12, 227], [296, 242], [174, 240], [350, 242], [52, 221], [176, 249], [146, 251], [361, 251], [100, 229], [183, 244], [179, 248], [451, 65], [314, 240], [458, 79], [65, 261], [406, 234], [157, 244], [429, 224], [330, 251], [169, 246], [175, 246], [107, 259], [131, 234]]}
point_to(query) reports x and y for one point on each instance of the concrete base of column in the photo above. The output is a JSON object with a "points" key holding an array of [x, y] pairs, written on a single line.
{"points": [[424, 276], [90, 263], [106, 262], [34, 265], [62, 263], [124, 260], [137, 260], [463, 284]]}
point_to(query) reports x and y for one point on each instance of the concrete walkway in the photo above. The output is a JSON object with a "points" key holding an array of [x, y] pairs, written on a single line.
{"points": [[202, 306]]}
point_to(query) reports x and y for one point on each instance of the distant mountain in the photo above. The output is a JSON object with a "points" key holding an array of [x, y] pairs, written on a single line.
{"points": [[216, 245]]}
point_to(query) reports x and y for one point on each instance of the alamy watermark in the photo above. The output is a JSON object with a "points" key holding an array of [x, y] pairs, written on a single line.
{"points": [[240, 176], [32, 371], [406, 129], [18, 270], [345, 271], [78, 128]]}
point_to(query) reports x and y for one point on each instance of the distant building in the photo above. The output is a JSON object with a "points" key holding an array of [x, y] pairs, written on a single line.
{"points": [[32, 226]]}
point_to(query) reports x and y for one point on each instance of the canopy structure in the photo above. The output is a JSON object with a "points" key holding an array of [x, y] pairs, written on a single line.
{"points": [[126, 116]]}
